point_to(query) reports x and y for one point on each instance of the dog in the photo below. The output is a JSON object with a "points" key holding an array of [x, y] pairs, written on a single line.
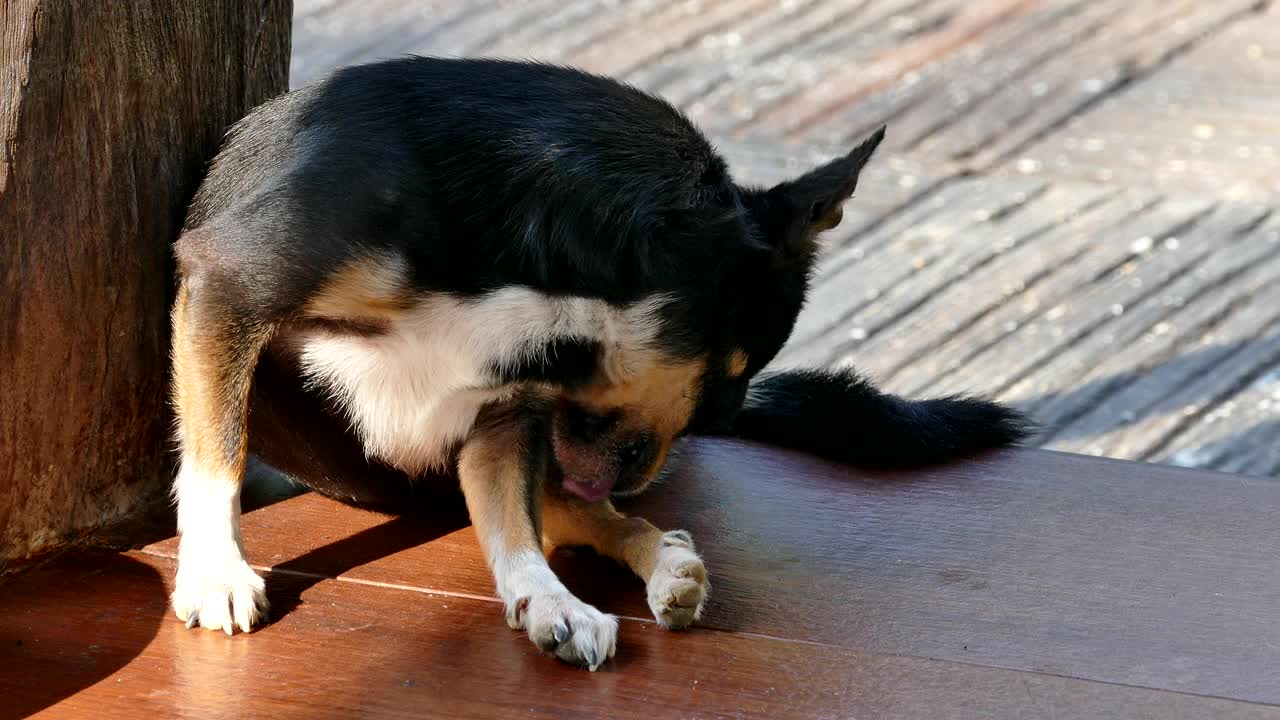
{"points": [[525, 278]]}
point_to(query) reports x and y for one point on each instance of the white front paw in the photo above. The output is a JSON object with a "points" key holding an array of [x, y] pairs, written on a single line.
{"points": [[678, 587], [219, 595], [563, 625]]}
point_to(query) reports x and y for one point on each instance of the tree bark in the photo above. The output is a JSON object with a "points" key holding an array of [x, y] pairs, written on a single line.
{"points": [[109, 110]]}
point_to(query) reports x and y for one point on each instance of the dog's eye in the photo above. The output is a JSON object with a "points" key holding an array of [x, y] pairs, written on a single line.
{"points": [[589, 426], [636, 453], [593, 425]]}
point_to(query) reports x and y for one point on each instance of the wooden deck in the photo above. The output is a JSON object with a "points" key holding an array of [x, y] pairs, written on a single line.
{"points": [[1025, 584], [1075, 212]]}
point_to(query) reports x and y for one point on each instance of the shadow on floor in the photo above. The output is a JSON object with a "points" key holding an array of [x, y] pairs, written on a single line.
{"points": [[64, 627], [395, 535]]}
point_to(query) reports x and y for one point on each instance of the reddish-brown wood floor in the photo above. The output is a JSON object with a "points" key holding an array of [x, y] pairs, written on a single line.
{"points": [[1023, 584]]}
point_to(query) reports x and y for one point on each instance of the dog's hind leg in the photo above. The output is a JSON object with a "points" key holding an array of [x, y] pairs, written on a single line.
{"points": [[502, 469], [214, 353], [675, 578]]}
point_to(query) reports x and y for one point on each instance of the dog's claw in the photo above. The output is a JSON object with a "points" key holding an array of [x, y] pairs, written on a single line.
{"points": [[564, 626], [218, 596]]}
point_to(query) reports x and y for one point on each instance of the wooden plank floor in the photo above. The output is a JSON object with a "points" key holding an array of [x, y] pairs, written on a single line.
{"points": [[1073, 211], [1020, 584]]}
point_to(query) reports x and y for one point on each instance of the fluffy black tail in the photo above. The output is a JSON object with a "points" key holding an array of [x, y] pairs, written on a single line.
{"points": [[840, 416]]}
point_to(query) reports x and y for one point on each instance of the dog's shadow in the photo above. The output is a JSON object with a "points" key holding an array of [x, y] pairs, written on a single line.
{"points": [[290, 579], [594, 579]]}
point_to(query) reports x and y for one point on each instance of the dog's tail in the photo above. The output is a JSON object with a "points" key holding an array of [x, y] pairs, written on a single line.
{"points": [[841, 416]]}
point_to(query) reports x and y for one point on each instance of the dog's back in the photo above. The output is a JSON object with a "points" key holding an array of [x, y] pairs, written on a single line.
{"points": [[486, 173]]}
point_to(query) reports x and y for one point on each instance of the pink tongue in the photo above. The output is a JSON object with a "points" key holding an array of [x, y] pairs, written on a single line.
{"points": [[585, 489], [586, 473]]}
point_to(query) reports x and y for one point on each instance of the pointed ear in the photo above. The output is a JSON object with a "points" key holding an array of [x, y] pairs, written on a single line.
{"points": [[815, 199]]}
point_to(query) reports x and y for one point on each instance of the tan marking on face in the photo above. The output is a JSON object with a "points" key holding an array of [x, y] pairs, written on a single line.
{"points": [[659, 399], [370, 289], [736, 364]]}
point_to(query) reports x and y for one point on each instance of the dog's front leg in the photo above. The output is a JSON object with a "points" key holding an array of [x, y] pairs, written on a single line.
{"points": [[675, 578], [502, 468], [214, 355]]}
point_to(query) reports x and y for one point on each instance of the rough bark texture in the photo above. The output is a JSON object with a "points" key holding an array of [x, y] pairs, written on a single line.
{"points": [[108, 113]]}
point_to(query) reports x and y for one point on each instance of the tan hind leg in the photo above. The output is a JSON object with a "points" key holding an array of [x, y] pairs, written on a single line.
{"points": [[675, 578], [213, 360]]}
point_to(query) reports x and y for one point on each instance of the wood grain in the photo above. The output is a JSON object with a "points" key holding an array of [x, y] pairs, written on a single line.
{"points": [[1038, 561], [348, 650], [1203, 124], [1043, 275], [109, 112]]}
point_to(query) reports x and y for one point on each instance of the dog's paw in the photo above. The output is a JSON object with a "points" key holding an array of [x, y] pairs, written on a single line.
{"points": [[219, 596], [678, 587], [561, 624]]}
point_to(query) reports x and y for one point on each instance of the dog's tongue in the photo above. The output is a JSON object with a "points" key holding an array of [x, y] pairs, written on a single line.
{"points": [[586, 473], [587, 489]]}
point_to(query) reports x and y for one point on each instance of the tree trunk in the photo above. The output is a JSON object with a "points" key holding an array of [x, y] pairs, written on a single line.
{"points": [[109, 110]]}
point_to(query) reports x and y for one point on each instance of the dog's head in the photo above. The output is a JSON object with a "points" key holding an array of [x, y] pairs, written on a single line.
{"points": [[718, 327]]}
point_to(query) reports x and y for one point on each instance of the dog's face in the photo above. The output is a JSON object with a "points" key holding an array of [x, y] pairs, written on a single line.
{"points": [[613, 436]]}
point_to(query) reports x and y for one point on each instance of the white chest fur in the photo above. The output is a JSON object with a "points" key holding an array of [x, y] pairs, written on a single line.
{"points": [[414, 391]]}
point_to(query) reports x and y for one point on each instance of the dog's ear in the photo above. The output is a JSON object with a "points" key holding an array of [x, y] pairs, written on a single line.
{"points": [[813, 202]]}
